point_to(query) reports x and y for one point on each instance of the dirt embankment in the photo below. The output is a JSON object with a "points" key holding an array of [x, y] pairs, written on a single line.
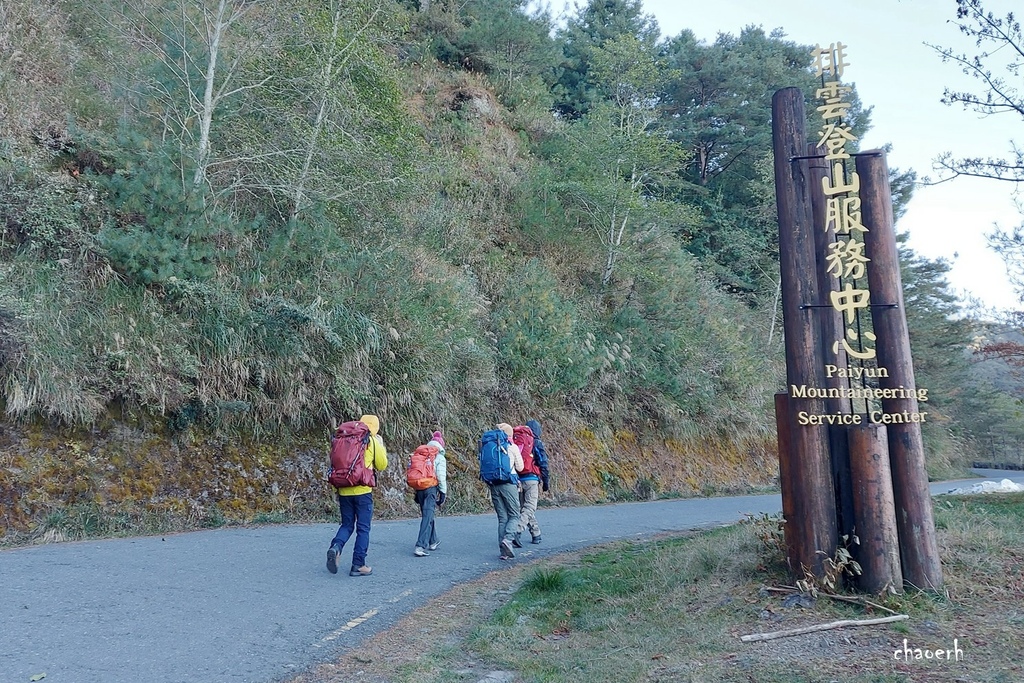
{"points": [[150, 482]]}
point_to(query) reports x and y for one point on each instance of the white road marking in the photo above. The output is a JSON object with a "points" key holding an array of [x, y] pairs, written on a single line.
{"points": [[333, 635], [347, 627]]}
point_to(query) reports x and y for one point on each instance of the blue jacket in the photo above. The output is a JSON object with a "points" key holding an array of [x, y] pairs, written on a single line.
{"points": [[540, 454]]}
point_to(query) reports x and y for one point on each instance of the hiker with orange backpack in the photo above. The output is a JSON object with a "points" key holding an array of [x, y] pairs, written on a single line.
{"points": [[427, 475], [357, 454]]}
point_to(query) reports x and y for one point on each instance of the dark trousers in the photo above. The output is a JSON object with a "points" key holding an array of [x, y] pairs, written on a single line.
{"points": [[356, 512], [427, 500]]}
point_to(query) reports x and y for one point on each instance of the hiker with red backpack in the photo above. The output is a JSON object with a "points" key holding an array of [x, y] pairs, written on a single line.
{"points": [[427, 475], [535, 470], [500, 464], [540, 455], [357, 454]]}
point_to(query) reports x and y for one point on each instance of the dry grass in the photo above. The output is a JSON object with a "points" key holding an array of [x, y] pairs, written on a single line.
{"points": [[673, 610]]}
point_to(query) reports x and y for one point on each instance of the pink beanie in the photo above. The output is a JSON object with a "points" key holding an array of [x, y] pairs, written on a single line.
{"points": [[438, 438]]}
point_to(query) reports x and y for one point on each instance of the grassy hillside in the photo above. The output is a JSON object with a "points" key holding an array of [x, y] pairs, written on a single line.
{"points": [[220, 231]]}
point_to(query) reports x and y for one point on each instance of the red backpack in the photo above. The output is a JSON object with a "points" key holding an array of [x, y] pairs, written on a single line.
{"points": [[522, 436], [420, 474], [348, 456]]}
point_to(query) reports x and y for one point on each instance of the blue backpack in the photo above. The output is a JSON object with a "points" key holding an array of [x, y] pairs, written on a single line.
{"points": [[495, 464]]}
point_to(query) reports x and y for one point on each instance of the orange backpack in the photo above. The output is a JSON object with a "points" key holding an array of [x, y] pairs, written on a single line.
{"points": [[420, 474]]}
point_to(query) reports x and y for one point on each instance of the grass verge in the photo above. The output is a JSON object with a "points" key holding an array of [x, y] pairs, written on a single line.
{"points": [[673, 609]]}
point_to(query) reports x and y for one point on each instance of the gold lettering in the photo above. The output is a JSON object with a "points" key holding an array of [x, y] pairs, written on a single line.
{"points": [[830, 60], [805, 418], [904, 417], [850, 299], [833, 137], [856, 372], [843, 214], [833, 109], [847, 259], [837, 183], [833, 91]]}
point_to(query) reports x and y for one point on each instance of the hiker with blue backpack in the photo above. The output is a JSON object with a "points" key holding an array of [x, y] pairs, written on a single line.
{"points": [[427, 475], [357, 454], [500, 464], [534, 474]]}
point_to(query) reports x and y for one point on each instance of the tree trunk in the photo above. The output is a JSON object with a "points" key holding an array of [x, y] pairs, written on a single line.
{"points": [[321, 115], [209, 101], [329, 73]]}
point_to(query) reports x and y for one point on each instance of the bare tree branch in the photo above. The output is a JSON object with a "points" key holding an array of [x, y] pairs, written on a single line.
{"points": [[994, 36]]}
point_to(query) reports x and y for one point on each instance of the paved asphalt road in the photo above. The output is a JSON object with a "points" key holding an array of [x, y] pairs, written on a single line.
{"points": [[257, 604]]}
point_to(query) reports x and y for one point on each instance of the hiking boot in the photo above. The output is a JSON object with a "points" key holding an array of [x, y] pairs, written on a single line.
{"points": [[506, 550], [516, 542], [332, 559], [536, 540], [433, 546], [420, 552], [360, 571]]}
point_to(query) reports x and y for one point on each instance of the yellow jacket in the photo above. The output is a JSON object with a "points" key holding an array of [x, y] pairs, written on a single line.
{"points": [[376, 456]]}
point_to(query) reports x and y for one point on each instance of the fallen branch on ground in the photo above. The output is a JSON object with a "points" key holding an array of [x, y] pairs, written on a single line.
{"points": [[844, 598], [822, 627]]}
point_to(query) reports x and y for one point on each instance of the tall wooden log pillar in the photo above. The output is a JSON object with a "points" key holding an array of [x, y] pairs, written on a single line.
{"points": [[784, 425], [919, 549], [874, 514], [811, 534]]}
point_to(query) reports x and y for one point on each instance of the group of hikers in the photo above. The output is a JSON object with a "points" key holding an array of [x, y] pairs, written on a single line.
{"points": [[513, 464]]}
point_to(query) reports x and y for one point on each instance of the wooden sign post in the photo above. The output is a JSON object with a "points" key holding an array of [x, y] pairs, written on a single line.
{"points": [[850, 449]]}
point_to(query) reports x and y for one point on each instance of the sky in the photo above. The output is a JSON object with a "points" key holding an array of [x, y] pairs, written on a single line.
{"points": [[902, 79]]}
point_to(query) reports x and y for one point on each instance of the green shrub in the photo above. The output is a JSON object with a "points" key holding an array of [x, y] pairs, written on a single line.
{"points": [[39, 212], [542, 344], [158, 226]]}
